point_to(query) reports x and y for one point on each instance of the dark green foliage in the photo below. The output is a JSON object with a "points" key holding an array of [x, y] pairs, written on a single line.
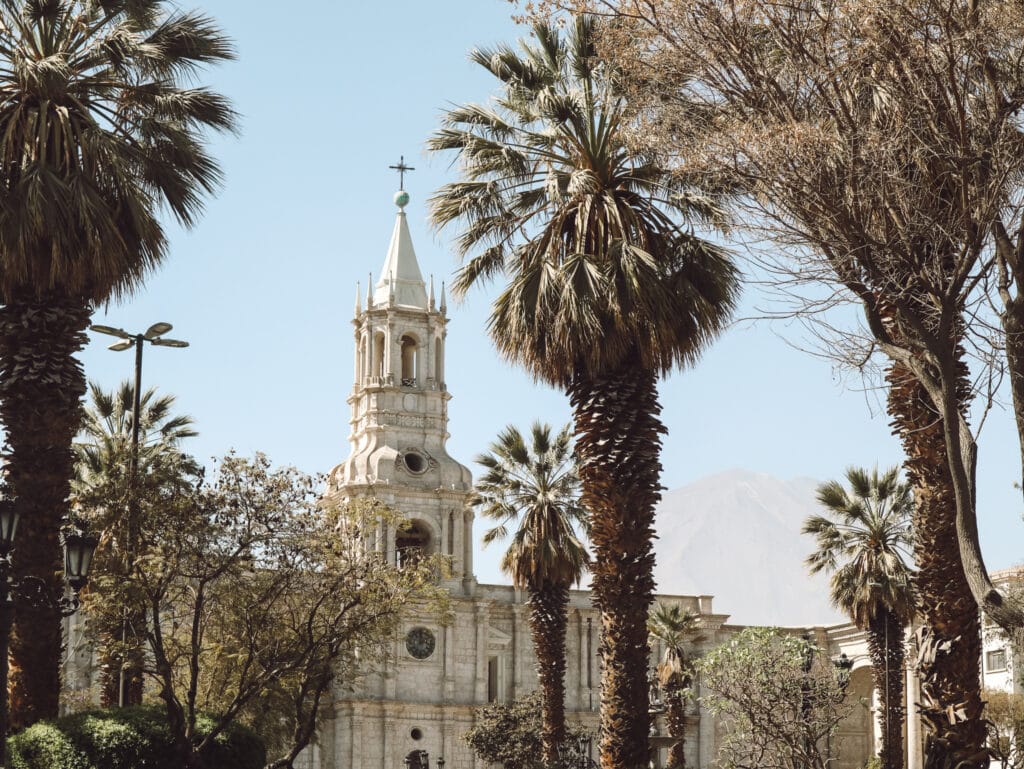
{"points": [[510, 735], [126, 738]]}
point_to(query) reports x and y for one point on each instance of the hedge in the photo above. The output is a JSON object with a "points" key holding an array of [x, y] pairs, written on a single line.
{"points": [[125, 738]]}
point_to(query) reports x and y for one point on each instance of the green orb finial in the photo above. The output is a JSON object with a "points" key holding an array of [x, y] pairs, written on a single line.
{"points": [[401, 198]]}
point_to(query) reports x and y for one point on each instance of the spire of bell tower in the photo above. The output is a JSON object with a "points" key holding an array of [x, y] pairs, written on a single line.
{"points": [[400, 277], [399, 412]]}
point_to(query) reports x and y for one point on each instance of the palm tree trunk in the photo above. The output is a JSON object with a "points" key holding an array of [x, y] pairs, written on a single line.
{"points": [[885, 644], [953, 683], [549, 604], [676, 718], [41, 388], [618, 440]]}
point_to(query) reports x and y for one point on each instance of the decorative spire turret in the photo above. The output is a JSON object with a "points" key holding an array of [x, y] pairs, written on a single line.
{"points": [[399, 410], [401, 281], [444, 304]]}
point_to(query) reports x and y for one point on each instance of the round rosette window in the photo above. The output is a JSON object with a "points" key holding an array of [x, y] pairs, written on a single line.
{"points": [[420, 643], [415, 462]]}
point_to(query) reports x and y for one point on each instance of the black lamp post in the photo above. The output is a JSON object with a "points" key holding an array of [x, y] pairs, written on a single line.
{"points": [[420, 759], [574, 752], [153, 335], [843, 666], [79, 547]]}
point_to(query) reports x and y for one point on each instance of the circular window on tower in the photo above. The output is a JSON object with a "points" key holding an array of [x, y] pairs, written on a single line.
{"points": [[414, 462], [420, 643]]}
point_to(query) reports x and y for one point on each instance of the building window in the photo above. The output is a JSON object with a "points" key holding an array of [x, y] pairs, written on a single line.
{"points": [[492, 679], [995, 660]]}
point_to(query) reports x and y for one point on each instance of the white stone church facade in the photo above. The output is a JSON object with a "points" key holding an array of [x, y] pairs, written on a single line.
{"points": [[440, 674]]}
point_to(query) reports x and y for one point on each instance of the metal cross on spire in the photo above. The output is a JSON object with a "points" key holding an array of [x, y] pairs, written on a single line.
{"points": [[402, 168]]}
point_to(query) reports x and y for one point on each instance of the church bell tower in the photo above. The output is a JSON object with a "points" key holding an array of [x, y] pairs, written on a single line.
{"points": [[399, 414]]}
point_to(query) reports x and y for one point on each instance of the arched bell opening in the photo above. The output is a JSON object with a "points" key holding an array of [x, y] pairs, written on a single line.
{"points": [[410, 361], [413, 542], [377, 369], [439, 362]]}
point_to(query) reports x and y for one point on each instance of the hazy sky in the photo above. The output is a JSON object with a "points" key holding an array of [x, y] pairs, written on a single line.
{"points": [[263, 288]]}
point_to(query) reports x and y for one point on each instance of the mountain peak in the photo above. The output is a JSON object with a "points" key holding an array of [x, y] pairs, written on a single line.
{"points": [[736, 535]]}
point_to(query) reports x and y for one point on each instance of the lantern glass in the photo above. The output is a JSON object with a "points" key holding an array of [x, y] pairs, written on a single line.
{"points": [[8, 525], [78, 551]]}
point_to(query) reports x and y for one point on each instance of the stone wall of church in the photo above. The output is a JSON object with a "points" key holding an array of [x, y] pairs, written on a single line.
{"points": [[426, 700]]}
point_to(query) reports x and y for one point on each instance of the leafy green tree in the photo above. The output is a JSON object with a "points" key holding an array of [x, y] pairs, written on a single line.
{"points": [[104, 450], [258, 599], [778, 699], [674, 627], [510, 735], [865, 541], [101, 127], [605, 293], [1005, 713], [880, 149], [534, 486]]}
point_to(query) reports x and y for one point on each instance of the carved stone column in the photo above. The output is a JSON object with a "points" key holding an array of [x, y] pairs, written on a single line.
{"points": [[480, 675]]}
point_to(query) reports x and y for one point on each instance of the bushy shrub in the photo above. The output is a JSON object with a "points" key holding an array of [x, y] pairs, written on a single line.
{"points": [[125, 738]]}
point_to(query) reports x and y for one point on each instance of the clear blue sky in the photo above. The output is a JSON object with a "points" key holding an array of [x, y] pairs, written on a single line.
{"points": [[263, 288]]}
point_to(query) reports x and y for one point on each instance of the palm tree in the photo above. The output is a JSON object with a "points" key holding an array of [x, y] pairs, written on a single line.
{"points": [[951, 703], [605, 293], [537, 486], [105, 441], [102, 483], [100, 128], [864, 542], [674, 627]]}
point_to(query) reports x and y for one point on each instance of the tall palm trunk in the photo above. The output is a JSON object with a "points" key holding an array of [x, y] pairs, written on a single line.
{"points": [[41, 388], [618, 440], [885, 644], [549, 604], [946, 601]]}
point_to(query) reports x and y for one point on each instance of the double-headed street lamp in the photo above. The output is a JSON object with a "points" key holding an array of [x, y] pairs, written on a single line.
{"points": [[154, 335], [79, 547]]}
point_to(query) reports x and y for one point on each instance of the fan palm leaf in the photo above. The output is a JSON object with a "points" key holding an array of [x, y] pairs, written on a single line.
{"points": [[606, 288], [102, 129], [533, 486], [864, 541], [102, 483], [674, 627]]}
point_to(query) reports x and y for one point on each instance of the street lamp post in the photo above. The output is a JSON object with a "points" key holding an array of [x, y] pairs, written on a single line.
{"points": [[153, 335], [79, 547], [420, 759], [844, 667], [574, 752]]}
